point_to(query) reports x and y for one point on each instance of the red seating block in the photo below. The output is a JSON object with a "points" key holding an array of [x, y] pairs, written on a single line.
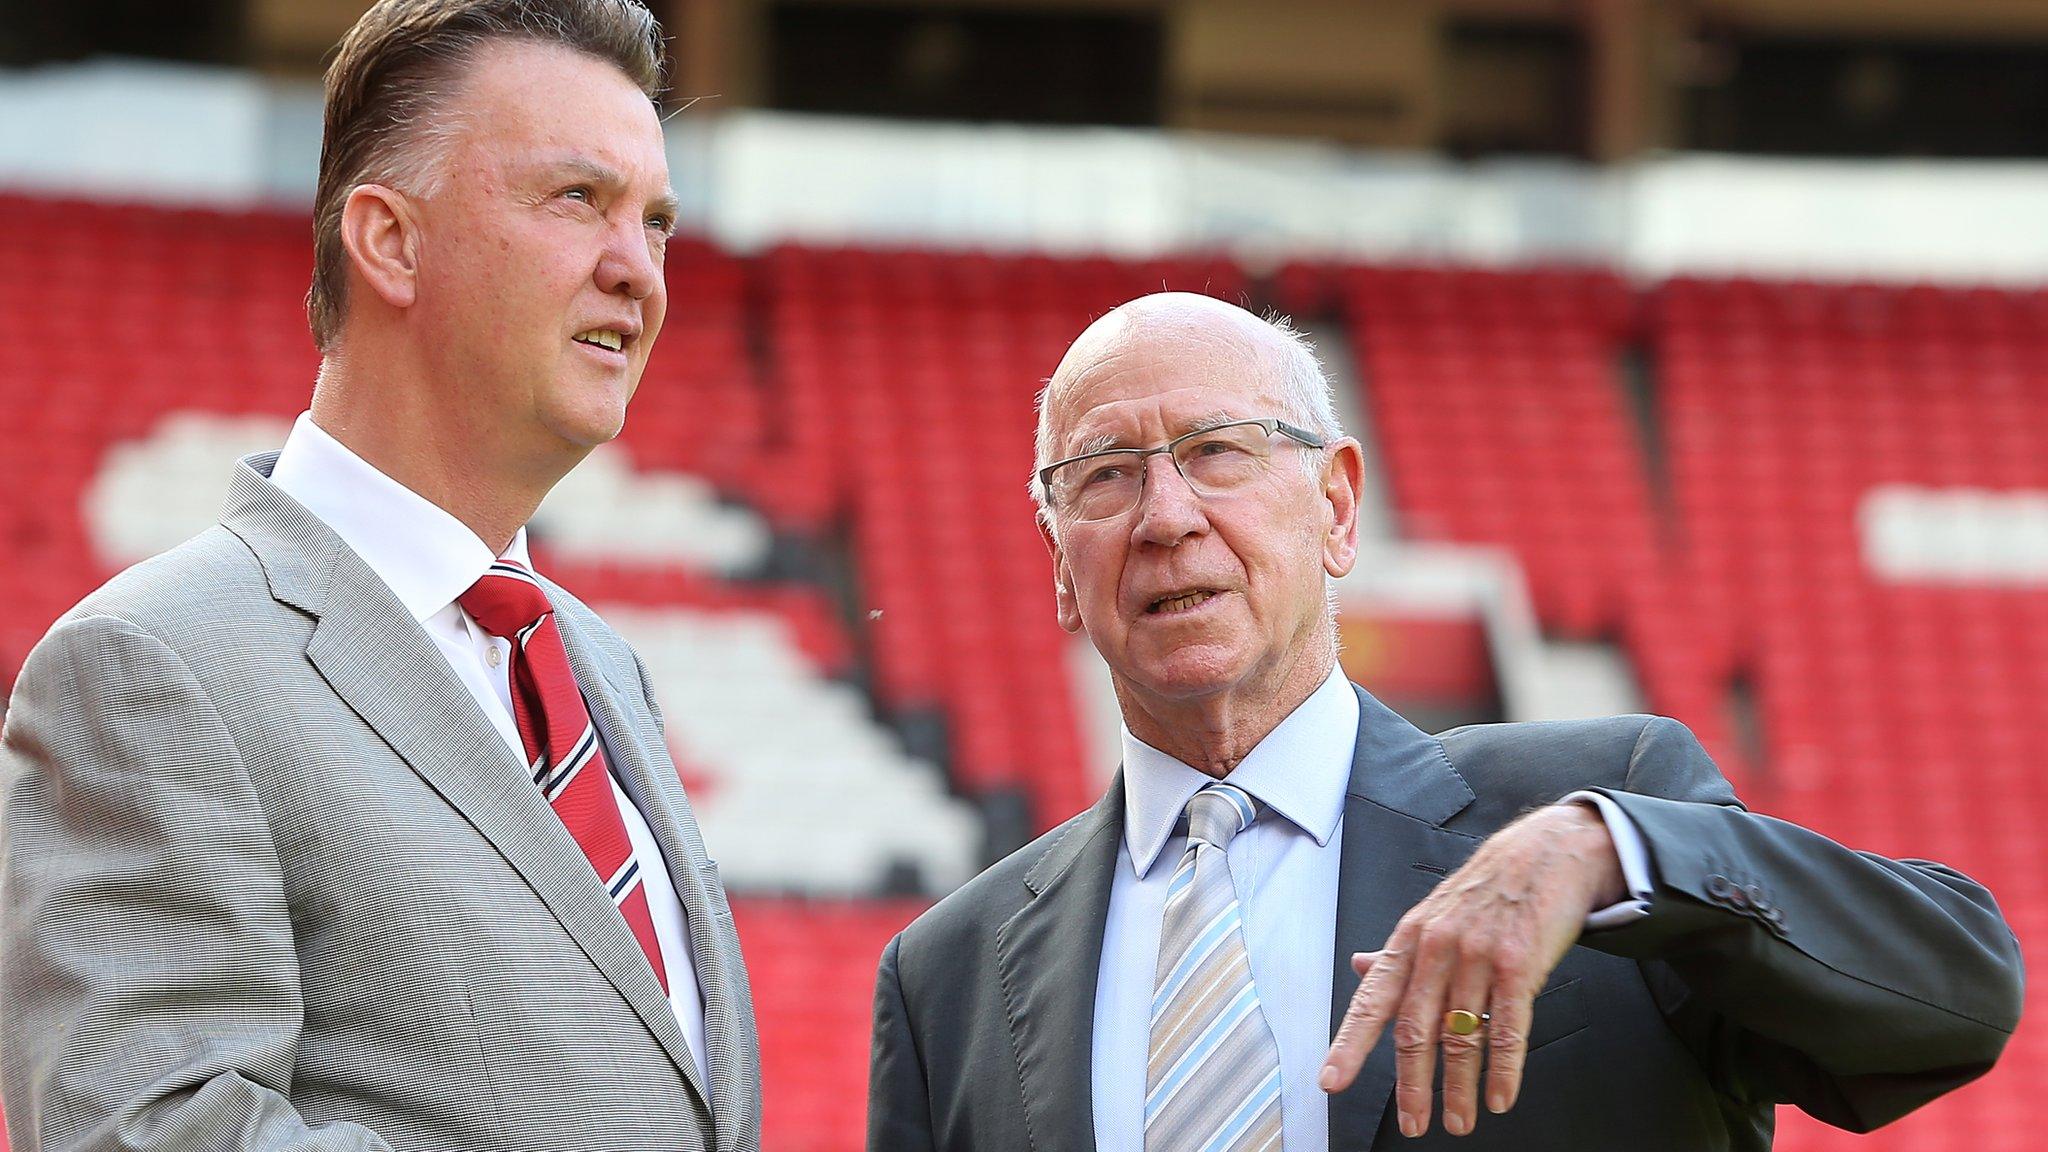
{"points": [[1904, 718], [812, 969], [884, 397]]}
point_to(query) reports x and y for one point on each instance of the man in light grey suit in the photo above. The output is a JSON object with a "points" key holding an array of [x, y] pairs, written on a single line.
{"points": [[307, 843], [1578, 920]]}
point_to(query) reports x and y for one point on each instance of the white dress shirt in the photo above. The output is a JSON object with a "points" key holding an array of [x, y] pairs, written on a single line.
{"points": [[428, 558], [1286, 870]]}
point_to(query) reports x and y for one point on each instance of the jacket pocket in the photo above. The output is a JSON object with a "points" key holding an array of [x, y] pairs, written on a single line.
{"points": [[1558, 1012]]}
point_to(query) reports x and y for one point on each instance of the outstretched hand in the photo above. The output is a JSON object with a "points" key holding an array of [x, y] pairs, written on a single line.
{"points": [[1484, 941]]}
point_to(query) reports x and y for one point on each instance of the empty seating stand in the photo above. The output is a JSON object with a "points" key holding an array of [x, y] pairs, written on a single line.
{"points": [[1904, 716], [874, 408], [1504, 418]]}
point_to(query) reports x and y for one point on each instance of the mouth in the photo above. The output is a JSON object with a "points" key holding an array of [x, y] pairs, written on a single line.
{"points": [[612, 340], [1181, 602]]}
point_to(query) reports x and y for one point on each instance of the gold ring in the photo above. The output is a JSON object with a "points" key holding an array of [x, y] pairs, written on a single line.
{"points": [[1459, 1022]]}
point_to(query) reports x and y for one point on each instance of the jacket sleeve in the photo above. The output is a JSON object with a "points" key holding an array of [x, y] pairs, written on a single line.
{"points": [[899, 1100], [149, 994], [1854, 986]]}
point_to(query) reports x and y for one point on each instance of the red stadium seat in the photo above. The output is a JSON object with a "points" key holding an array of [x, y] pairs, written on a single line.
{"points": [[875, 407], [1906, 718]]}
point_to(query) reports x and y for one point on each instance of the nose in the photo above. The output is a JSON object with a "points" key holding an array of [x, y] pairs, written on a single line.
{"points": [[631, 261], [1168, 509]]}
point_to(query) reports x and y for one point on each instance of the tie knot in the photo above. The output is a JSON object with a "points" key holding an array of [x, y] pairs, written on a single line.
{"points": [[505, 600], [1219, 812]]}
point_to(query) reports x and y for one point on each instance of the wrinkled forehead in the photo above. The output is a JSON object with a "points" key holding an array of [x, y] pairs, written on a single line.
{"points": [[1124, 381]]}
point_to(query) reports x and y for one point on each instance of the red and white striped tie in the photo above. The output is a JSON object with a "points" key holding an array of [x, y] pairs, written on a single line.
{"points": [[561, 743]]}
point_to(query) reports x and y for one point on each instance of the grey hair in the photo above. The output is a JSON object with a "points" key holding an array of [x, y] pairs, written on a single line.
{"points": [[1306, 388], [1308, 397], [429, 130]]}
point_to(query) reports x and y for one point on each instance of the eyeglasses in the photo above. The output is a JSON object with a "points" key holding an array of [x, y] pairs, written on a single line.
{"points": [[1214, 462]]}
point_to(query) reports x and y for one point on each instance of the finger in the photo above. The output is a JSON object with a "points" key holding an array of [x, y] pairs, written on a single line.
{"points": [[1465, 1056], [1362, 962], [1418, 1023], [1371, 1006], [1507, 1039]]}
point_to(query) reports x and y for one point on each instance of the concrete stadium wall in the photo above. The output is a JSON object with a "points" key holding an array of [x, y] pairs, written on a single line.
{"points": [[177, 134]]}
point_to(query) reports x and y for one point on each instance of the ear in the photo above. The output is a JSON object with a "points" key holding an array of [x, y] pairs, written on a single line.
{"points": [[1343, 487], [381, 232], [1062, 581]]}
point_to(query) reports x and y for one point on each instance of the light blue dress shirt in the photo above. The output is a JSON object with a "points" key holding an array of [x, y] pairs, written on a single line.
{"points": [[1286, 868]]}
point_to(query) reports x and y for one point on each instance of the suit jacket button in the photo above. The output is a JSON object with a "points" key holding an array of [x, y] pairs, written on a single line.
{"points": [[1737, 898], [1757, 900], [1718, 887]]}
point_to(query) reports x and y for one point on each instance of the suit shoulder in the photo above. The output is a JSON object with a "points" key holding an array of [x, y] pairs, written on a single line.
{"points": [[1523, 737], [193, 589], [976, 910], [1540, 760]]}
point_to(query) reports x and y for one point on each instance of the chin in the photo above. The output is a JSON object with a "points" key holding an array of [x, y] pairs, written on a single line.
{"points": [[1192, 672], [590, 428]]}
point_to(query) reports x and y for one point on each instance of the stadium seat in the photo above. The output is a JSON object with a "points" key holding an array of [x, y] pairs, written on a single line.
{"points": [[1903, 716], [833, 447]]}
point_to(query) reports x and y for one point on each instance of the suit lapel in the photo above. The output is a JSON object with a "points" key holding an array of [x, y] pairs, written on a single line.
{"points": [[649, 777], [386, 668], [1394, 850], [1048, 955]]}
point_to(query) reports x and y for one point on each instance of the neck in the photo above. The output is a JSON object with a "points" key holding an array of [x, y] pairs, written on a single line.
{"points": [[1213, 733], [403, 425]]}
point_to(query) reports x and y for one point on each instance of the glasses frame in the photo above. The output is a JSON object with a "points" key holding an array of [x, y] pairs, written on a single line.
{"points": [[1272, 426]]}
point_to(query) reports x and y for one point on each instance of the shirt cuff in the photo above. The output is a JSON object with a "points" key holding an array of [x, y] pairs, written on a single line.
{"points": [[1635, 863]]}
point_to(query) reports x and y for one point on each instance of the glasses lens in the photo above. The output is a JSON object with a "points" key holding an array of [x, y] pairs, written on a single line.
{"points": [[1100, 486], [1224, 459], [1215, 462]]}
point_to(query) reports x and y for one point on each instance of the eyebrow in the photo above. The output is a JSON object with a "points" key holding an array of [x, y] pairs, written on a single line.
{"points": [[596, 173], [1104, 441]]}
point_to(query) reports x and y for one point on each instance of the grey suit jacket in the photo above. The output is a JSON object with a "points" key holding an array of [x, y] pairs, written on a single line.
{"points": [[1854, 986], [271, 879]]}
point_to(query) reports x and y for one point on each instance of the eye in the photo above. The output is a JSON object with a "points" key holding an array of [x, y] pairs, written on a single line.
{"points": [[1107, 472], [579, 193], [1217, 446], [662, 224]]}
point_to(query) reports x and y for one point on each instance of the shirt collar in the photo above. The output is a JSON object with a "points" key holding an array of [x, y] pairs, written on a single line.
{"points": [[1300, 770], [424, 554]]}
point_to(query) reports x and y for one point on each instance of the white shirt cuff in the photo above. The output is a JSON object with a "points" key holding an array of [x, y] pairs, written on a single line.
{"points": [[1635, 863]]}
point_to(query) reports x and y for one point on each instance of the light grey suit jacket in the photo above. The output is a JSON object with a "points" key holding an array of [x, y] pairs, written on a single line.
{"points": [[1775, 966], [271, 879]]}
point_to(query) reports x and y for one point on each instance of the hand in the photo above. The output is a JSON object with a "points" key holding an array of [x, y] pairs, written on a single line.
{"points": [[1484, 941]]}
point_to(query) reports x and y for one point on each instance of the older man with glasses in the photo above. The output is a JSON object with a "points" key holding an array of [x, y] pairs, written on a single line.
{"points": [[1577, 922]]}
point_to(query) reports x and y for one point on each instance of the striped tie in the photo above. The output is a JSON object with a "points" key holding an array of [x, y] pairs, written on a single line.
{"points": [[561, 744], [1212, 1078]]}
